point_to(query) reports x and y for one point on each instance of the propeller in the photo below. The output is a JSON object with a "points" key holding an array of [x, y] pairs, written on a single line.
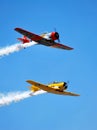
{"points": [[66, 84], [59, 40], [57, 35]]}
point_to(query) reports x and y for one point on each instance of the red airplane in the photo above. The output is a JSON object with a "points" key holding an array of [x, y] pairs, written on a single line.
{"points": [[47, 39]]}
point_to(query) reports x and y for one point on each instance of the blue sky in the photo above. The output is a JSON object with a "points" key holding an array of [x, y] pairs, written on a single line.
{"points": [[76, 21]]}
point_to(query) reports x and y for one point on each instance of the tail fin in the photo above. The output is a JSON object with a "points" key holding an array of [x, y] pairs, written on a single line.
{"points": [[24, 40], [34, 88]]}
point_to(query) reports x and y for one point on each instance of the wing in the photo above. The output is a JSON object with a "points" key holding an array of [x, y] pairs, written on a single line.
{"points": [[39, 85], [42, 40], [61, 46], [51, 90], [66, 93], [30, 35]]}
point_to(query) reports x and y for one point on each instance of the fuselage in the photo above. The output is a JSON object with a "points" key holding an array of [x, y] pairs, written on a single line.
{"points": [[51, 36], [59, 86]]}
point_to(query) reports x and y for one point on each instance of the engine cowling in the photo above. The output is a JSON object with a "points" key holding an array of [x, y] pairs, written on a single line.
{"points": [[65, 85], [54, 35]]}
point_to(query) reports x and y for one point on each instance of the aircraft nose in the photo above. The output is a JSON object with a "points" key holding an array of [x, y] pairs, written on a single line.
{"points": [[65, 85], [57, 35]]}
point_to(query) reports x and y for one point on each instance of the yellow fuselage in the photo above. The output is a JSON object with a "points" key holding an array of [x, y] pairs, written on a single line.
{"points": [[56, 85]]}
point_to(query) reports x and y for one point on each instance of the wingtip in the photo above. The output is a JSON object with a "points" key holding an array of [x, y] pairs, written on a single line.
{"points": [[16, 29], [77, 94], [27, 81], [71, 48]]}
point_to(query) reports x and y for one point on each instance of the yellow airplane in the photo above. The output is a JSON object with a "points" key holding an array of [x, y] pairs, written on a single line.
{"points": [[55, 88]]}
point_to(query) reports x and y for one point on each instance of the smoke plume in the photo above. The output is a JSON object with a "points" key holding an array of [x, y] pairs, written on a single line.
{"points": [[14, 48], [6, 99]]}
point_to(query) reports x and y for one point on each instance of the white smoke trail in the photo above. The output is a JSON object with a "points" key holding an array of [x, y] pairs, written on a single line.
{"points": [[14, 48], [6, 99]]}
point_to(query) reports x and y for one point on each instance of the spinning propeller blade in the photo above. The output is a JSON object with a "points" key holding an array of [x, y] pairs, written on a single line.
{"points": [[58, 34]]}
